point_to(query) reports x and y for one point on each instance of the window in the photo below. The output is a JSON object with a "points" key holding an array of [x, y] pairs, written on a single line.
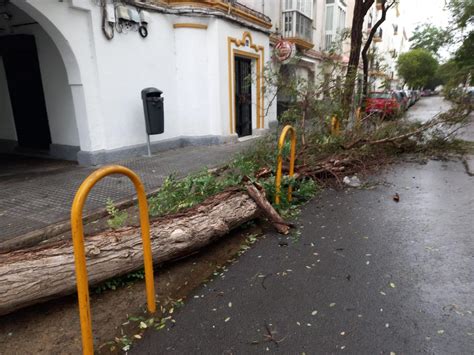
{"points": [[288, 22], [329, 18], [303, 6], [297, 19], [335, 20], [341, 18], [380, 95]]}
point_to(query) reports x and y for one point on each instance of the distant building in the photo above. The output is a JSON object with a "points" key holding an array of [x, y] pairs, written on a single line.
{"points": [[391, 40], [316, 28], [71, 73]]}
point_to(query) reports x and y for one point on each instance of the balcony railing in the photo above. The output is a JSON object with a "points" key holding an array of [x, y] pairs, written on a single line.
{"points": [[297, 25]]}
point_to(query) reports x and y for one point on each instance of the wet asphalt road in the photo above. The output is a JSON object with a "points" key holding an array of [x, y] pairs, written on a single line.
{"points": [[367, 275], [428, 107]]}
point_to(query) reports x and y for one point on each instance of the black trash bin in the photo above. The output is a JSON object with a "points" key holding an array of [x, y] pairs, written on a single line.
{"points": [[153, 108]]}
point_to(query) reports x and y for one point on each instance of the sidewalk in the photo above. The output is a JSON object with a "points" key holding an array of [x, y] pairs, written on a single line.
{"points": [[32, 202]]}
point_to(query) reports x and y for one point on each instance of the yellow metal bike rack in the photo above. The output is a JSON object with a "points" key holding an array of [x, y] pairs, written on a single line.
{"points": [[79, 252], [358, 114], [281, 141], [335, 126]]}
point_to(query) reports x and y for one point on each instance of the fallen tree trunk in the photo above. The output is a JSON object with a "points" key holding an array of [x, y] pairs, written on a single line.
{"points": [[34, 275]]}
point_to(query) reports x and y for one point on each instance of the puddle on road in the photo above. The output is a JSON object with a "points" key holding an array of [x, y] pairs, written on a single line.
{"points": [[53, 327]]}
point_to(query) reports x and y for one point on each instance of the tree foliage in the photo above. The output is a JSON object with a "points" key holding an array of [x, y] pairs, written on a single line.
{"points": [[417, 67], [459, 34], [430, 37], [462, 11], [460, 67], [464, 56]]}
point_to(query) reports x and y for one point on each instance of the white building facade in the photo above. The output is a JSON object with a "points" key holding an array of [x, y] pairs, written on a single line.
{"points": [[320, 28], [391, 40], [77, 95], [314, 26]]}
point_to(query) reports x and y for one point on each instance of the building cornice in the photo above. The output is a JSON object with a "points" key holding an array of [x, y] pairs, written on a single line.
{"points": [[212, 8]]}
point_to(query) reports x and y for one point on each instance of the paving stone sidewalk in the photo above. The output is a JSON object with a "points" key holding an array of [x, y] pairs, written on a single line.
{"points": [[35, 201]]}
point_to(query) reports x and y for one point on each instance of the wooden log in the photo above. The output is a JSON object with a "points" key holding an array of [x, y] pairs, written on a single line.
{"points": [[34, 275]]}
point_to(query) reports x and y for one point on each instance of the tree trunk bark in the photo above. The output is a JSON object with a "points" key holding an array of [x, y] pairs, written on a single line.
{"points": [[360, 10], [34, 275], [365, 59], [365, 81]]}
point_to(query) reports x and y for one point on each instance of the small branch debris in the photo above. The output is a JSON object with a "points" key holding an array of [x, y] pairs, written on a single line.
{"points": [[259, 197]]}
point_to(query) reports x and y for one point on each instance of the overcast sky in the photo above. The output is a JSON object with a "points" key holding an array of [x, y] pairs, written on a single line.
{"points": [[417, 12]]}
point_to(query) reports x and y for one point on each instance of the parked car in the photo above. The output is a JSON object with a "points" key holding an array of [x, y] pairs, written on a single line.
{"points": [[403, 100], [418, 94], [384, 103], [411, 97]]}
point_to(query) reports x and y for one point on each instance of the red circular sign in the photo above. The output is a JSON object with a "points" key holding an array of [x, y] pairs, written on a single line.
{"points": [[284, 50]]}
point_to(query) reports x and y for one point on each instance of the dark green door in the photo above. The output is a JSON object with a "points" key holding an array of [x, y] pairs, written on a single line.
{"points": [[243, 96], [25, 86]]}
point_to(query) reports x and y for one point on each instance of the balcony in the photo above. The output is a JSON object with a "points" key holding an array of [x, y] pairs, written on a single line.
{"points": [[298, 28]]}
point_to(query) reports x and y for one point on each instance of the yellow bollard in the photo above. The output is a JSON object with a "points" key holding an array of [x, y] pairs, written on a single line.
{"points": [[358, 115], [335, 126], [79, 252], [281, 141]]}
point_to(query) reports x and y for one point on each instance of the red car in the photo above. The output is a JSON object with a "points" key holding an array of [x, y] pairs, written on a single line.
{"points": [[384, 103]]}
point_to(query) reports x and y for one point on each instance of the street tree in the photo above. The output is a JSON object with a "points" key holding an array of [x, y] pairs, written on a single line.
{"points": [[462, 12], [386, 5], [464, 56], [360, 11], [458, 35], [461, 65], [417, 67], [430, 37]]}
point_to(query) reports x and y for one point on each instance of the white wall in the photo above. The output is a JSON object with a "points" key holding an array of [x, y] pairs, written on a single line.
{"points": [[193, 76], [189, 65], [7, 124], [126, 65], [58, 96]]}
